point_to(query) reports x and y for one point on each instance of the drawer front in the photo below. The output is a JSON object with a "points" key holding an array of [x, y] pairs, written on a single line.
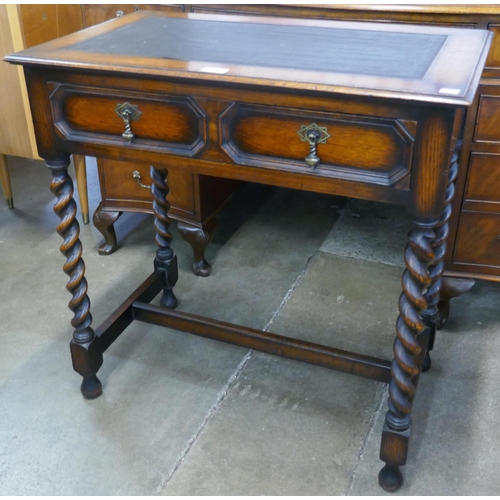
{"points": [[488, 119], [478, 240], [493, 60], [353, 147], [119, 184], [483, 183], [157, 122]]}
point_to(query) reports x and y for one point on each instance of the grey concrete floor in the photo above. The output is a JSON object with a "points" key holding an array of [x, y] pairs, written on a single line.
{"points": [[182, 415]]}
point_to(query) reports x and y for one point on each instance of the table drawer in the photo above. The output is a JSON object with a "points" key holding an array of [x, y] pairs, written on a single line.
{"points": [[170, 124], [488, 118], [484, 178], [119, 184], [478, 239], [354, 147], [493, 60]]}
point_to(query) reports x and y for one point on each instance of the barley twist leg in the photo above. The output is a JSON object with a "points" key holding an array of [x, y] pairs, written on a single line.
{"points": [[432, 295], [408, 354], [165, 258], [85, 351]]}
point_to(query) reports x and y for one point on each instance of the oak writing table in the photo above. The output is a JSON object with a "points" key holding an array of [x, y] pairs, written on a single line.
{"points": [[354, 109]]}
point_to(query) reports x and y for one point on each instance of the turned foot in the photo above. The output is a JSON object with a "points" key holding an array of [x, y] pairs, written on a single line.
{"points": [[390, 478], [103, 221], [198, 238], [451, 288], [168, 299], [91, 387]]}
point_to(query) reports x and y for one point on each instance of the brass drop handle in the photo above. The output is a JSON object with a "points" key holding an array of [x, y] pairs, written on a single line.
{"points": [[312, 158], [313, 135], [127, 112], [137, 176]]}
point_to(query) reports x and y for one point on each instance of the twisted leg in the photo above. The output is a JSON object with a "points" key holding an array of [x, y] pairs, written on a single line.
{"points": [[165, 258], [198, 238], [103, 221], [432, 314], [85, 351], [408, 354]]}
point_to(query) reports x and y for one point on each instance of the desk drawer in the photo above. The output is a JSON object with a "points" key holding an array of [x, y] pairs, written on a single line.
{"points": [[169, 124], [488, 116], [118, 184], [367, 149], [478, 239], [493, 60], [484, 178]]}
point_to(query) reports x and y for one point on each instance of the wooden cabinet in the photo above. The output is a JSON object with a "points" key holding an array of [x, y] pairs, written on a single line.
{"points": [[478, 240], [126, 187], [99, 13], [481, 189], [488, 117], [23, 26]]}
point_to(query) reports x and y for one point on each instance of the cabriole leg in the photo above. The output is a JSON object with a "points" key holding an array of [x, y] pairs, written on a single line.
{"points": [[408, 354], [165, 258], [103, 221], [85, 351], [198, 238]]}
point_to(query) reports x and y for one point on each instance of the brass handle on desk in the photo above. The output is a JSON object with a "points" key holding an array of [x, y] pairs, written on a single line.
{"points": [[137, 176], [127, 112], [314, 135], [312, 158]]}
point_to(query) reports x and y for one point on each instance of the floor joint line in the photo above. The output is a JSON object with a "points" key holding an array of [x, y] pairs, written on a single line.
{"points": [[221, 396], [289, 293], [382, 399]]}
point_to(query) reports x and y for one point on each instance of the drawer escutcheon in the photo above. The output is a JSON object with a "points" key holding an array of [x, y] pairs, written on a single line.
{"points": [[314, 135]]}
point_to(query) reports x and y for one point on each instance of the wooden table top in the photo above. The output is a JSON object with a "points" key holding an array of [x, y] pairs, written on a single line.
{"points": [[431, 64]]}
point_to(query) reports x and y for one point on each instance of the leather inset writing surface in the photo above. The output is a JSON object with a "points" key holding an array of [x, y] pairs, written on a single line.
{"points": [[333, 50]]}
